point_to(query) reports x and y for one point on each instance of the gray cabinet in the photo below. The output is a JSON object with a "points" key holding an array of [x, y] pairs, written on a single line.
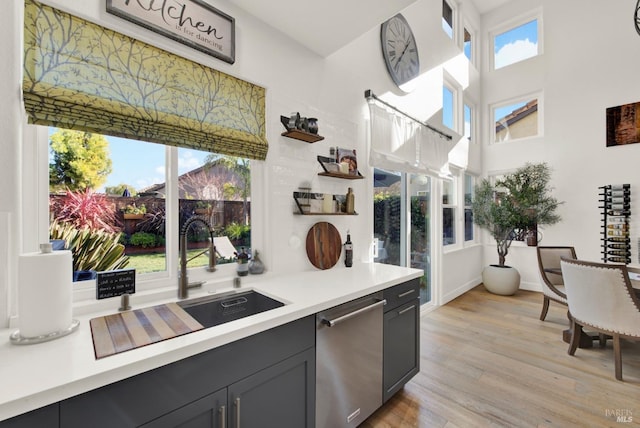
{"points": [[277, 397], [281, 396], [178, 391], [207, 412], [45, 417], [401, 348]]}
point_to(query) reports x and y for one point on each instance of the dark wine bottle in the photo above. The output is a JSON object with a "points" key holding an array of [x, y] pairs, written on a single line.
{"points": [[348, 251]]}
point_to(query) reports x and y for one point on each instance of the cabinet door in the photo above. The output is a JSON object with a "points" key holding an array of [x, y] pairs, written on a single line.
{"points": [[45, 417], [401, 358], [281, 396], [207, 412]]}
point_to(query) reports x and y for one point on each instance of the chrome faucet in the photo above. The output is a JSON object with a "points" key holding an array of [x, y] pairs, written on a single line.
{"points": [[183, 280]]}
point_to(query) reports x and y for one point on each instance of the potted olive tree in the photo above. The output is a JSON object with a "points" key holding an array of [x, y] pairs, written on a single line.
{"points": [[515, 204]]}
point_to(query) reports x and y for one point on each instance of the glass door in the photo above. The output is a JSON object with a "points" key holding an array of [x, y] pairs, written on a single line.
{"points": [[401, 209], [419, 192]]}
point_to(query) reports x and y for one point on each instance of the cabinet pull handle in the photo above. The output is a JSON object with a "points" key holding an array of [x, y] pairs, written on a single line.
{"points": [[237, 412], [405, 310], [406, 293], [222, 412]]}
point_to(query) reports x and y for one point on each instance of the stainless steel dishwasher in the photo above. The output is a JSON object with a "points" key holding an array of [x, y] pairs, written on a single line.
{"points": [[349, 362]]}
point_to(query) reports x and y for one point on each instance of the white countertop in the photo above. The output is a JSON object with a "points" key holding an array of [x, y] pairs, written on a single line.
{"points": [[36, 375]]}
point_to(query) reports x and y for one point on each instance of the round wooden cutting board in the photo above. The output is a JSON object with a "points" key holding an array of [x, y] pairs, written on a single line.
{"points": [[324, 245]]}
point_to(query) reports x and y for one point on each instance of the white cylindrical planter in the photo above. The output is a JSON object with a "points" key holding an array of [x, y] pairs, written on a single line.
{"points": [[503, 280]]}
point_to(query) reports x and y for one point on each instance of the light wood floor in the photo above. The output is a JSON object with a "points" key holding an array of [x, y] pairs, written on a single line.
{"points": [[488, 361]]}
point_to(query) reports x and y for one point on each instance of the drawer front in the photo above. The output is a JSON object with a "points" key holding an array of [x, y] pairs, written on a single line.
{"points": [[401, 294]]}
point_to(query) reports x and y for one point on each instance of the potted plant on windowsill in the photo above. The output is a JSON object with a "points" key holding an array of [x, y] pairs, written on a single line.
{"points": [[519, 201]]}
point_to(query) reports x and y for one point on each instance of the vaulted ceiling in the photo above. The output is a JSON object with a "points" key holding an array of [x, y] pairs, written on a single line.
{"points": [[326, 26]]}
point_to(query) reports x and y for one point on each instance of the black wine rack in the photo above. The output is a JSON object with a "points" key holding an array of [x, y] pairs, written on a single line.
{"points": [[616, 210]]}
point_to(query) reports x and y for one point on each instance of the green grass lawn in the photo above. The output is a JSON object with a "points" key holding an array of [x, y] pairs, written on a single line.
{"points": [[155, 262], [146, 263]]}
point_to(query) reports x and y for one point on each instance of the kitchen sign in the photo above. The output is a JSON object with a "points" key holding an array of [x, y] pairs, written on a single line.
{"points": [[190, 22]]}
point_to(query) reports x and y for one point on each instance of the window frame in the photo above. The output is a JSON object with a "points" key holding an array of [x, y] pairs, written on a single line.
{"points": [[453, 205], [474, 179], [35, 180], [473, 51], [454, 14], [522, 98], [452, 86], [473, 129], [535, 14]]}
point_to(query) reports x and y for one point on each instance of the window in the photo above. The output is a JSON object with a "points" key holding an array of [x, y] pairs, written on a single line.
{"points": [[135, 198], [467, 45], [516, 43], [468, 121], [447, 18], [469, 183], [516, 120], [401, 219], [448, 107], [449, 212]]}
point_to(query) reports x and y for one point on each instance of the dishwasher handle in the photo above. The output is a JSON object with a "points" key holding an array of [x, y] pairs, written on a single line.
{"points": [[336, 321]]}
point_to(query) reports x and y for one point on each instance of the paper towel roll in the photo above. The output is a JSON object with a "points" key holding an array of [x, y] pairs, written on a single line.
{"points": [[44, 292]]}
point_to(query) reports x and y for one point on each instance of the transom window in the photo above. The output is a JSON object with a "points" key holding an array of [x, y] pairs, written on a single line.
{"points": [[516, 43], [516, 120], [468, 121], [468, 45], [447, 18], [448, 107]]}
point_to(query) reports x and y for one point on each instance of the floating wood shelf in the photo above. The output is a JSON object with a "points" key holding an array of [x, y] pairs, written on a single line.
{"points": [[340, 175], [303, 136]]}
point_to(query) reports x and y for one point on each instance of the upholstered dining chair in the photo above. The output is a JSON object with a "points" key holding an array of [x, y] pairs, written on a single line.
{"points": [[601, 297], [549, 266]]}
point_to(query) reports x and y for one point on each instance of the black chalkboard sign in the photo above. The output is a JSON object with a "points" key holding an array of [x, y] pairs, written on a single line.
{"points": [[115, 283]]}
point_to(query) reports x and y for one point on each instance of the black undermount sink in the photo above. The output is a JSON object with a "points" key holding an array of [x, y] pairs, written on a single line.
{"points": [[215, 310]]}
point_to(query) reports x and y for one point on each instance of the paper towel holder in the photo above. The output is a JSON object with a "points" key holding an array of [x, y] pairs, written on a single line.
{"points": [[17, 339]]}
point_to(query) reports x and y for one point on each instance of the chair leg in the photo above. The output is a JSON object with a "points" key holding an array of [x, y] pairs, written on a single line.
{"points": [[603, 340], [576, 332], [545, 308], [617, 356]]}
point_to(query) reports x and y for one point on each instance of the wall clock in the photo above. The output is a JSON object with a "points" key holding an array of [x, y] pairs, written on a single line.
{"points": [[636, 17], [399, 50]]}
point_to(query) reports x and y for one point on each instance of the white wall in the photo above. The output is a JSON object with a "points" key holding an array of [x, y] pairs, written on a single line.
{"points": [[296, 79], [590, 62]]}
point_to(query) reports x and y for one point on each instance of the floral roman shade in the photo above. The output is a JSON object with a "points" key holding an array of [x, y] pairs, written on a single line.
{"points": [[79, 75]]}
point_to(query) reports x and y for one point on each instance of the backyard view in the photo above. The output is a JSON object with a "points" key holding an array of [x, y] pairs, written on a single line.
{"points": [[388, 211], [107, 199]]}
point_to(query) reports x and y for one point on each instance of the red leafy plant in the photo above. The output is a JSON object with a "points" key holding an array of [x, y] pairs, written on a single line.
{"points": [[86, 209]]}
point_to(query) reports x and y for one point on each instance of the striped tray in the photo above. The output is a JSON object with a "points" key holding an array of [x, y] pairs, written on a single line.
{"points": [[123, 331]]}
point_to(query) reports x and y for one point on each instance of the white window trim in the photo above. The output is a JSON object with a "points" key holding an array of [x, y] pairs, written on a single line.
{"points": [[535, 14], [458, 113], [149, 287], [456, 245], [474, 181], [474, 42], [522, 98], [454, 21], [475, 138]]}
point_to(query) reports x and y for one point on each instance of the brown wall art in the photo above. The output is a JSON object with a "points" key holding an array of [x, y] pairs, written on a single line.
{"points": [[623, 124]]}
